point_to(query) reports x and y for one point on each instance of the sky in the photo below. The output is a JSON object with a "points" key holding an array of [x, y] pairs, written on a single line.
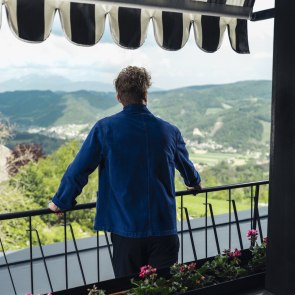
{"points": [[102, 62]]}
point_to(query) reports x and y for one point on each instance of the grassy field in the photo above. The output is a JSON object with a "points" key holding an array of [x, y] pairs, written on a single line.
{"points": [[195, 204], [213, 158], [196, 207]]}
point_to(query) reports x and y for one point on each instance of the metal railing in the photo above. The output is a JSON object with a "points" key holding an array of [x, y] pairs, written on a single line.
{"points": [[186, 231]]}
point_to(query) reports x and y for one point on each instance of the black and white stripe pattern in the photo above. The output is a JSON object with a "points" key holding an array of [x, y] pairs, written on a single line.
{"points": [[238, 33], [20, 11], [209, 33], [129, 26], [129, 22], [171, 29], [84, 23], [83, 28], [30, 20]]}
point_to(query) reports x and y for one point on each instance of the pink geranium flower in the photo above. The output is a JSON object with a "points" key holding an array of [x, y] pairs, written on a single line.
{"points": [[187, 267], [252, 234], [265, 240], [235, 253], [192, 266], [146, 271]]}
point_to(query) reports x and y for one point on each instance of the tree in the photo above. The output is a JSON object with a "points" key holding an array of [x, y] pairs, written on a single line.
{"points": [[6, 129], [23, 154]]}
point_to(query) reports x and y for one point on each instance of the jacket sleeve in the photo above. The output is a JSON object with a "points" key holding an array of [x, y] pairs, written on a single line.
{"points": [[76, 175], [186, 168]]}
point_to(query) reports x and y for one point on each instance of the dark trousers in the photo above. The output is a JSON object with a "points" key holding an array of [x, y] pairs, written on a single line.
{"points": [[129, 254]]}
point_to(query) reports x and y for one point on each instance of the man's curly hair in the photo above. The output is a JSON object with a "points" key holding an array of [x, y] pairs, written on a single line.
{"points": [[132, 84]]}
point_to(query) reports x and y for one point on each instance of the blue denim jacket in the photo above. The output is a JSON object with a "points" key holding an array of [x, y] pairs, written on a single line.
{"points": [[137, 154]]}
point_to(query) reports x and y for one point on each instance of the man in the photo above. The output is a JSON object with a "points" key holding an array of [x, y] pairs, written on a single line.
{"points": [[137, 154]]}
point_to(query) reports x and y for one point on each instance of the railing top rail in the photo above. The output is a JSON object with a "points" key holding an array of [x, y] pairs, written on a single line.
{"points": [[221, 188], [21, 214]]}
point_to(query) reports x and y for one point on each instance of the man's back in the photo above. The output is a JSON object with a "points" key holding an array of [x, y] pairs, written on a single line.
{"points": [[137, 174]]}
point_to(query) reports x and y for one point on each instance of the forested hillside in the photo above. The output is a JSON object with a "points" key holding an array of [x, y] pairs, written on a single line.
{"points": [[36, 183], [236, 115], [232, 115]]}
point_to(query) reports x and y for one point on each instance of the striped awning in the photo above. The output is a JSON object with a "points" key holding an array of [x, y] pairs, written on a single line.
{"points": [[83, 22]]}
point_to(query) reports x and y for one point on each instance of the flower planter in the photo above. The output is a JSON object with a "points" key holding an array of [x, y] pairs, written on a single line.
{"points": [[247, 283], [233, 287], [233, 272], [244, 283]]}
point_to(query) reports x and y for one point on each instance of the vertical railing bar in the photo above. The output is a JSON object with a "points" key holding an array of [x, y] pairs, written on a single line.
{"points": [[238, 224], [6, 261], [256, 198], [77, 252], [206, 225], [109, 248], [214, 227], [31, 254], [44, 260], [97, 253], [190, 233], [66, 250], [256, 212], [181, 225], [229, 219], [259, 227], [251, 202]]}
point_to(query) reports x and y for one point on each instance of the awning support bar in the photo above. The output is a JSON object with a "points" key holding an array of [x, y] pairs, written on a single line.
{"points": [[263, 15]]}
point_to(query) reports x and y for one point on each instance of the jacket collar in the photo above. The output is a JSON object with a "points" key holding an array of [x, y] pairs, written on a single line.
{"points": [[135, 108]]}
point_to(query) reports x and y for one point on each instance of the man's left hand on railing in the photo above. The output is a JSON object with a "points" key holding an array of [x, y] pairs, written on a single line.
{"points": [[55, 209]]}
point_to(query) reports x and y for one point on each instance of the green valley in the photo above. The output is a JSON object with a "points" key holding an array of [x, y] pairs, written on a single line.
{"points": [[226, 128], [220, 118]]}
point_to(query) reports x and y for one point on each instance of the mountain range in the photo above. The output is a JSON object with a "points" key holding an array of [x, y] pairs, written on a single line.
{"points": [[54, 83], [232, 115]]}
